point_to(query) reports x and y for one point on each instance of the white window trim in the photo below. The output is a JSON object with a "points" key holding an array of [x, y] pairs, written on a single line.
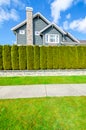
{"points": [[22, 32], [48, 41], [37, 33]]}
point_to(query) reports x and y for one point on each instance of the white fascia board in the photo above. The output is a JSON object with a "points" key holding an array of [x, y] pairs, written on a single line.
{"points": [[39, 14], [19, 25], [71, 36], [25, 21], [57, 27]]}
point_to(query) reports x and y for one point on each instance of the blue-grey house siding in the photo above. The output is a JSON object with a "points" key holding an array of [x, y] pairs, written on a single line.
{"points": [[38, 25], [21, 39], [53, 30]]}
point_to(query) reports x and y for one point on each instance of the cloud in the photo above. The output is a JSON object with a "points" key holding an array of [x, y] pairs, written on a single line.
{"points": [[5, 16], [68, 16], [4, 2], [58, 6], [8, 10], [76, 25]]}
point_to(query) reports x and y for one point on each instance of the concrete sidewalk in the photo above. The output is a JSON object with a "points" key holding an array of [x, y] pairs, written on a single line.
{"points": [[29, 91]]}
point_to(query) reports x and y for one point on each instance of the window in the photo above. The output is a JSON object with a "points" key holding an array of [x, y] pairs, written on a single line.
{"points": [[21, 31], [52, 38], [37, 33]]}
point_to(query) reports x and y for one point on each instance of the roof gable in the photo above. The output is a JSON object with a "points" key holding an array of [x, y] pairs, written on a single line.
{"points": [[25, 21], [60, 30], [54, 25]]}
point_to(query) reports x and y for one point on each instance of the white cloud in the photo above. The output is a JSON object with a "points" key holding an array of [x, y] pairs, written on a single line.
{"points": [[68, 16], [11, 13], [66, 25], [58, 6], [76, 25], [5, 16], [4, 2], [79, 25]]}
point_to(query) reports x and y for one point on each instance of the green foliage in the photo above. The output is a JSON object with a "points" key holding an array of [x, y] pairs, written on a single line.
{"points": [[83, 56], [55, 57], [15, 57], [36, 57], [1, 58], [62, 57], [7, 57], [43, 57], [30, 57], [72, 57], [22, 58], [49, 57]]}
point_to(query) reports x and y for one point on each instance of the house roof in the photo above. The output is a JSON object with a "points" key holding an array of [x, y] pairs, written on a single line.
{"points": [[25, 21], [60, 30], [72, 37], [53, 24], [49, 25]]}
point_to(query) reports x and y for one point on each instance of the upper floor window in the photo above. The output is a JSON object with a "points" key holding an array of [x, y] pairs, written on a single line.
{"points": [[21, 31], [37, 33], [52, 38]]}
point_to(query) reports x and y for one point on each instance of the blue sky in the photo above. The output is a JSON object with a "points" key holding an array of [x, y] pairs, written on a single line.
{"points": [[70, 15]]}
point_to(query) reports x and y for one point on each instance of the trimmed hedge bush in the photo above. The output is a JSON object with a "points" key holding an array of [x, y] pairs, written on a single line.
{"points": [[62, 57], [55, 57], [22, 58], [43, 57], [30, 57], [1, 60], [7, 57], [36, 57], [15, 57], [50, 57]]}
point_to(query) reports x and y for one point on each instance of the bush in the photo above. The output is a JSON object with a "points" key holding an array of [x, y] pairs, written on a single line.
{"points": [[49, 57], [83, 56], [7, 57], [43, 57], [55, 57], [36, 57], [62, 58], [15, 57], [1, 58], [22, 58], [30, 57]]}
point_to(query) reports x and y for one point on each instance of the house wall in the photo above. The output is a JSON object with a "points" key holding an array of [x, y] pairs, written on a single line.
{"points": [[38, 25], [67, 39], [21, 38], [52, 30]]}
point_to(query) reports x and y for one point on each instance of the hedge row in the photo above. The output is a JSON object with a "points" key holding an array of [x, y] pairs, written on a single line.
{"points": [[44, 57]]}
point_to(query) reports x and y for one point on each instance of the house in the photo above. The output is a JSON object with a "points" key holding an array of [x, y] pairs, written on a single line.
{"points": [[37, 30]]}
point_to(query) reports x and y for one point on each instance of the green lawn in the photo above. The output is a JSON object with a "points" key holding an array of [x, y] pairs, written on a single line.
{"points": [[42, 80], [62, 113]]}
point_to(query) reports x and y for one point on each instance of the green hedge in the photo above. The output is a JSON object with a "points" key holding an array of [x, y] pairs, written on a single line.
{"points": [[36, 57], [55, 57], [1, 60], [7, 57], [22, 58], [43, 57], [50, 57], [15, 57], [30, 57]]}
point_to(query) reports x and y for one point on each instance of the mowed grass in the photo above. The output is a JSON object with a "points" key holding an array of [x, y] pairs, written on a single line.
{"points": [[42, 80], [62, 113]]}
